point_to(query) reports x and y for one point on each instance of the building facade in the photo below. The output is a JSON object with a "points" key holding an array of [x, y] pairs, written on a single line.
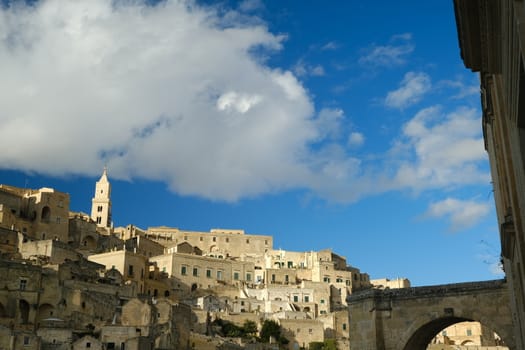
{"points": [[492, 42], [101, 202]]}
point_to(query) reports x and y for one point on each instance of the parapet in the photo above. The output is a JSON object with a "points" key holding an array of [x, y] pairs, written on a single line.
{"points": [[233, 232]]}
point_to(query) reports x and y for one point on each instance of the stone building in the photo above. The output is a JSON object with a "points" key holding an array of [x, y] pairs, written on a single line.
{"points": [[467, 334], [491, 40], [72, 281], [101, 203], [216, 243], [38, 214], [132, 266]]}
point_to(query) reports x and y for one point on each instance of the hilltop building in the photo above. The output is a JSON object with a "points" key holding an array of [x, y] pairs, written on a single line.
{"points": [[72, 280], [101, 203]]}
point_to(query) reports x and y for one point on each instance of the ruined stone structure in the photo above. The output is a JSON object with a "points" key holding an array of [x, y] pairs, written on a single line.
{"points": [[492, 42], [409, 318]]}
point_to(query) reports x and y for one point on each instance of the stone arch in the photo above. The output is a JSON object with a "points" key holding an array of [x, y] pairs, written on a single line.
{"points": [[89, 242], [2, 311], [424, 334], [46, 214], [45, 311], [23, 308], [426, 330]]}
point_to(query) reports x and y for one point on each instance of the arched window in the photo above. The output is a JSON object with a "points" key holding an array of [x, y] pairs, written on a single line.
{"points": [[46, 214], [24, 311]]}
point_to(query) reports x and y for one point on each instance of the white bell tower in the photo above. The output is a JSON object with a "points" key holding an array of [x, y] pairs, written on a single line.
{"points": [[101, 207]]}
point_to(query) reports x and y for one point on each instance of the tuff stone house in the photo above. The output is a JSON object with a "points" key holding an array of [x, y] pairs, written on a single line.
{"points": [[72, 281]]}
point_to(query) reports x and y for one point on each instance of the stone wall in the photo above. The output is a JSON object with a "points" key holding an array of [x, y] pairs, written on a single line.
{"points": [[410, 318]]}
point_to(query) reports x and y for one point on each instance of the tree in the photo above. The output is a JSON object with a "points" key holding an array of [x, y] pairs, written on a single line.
{"points": [[249, 327], [269, 329]]}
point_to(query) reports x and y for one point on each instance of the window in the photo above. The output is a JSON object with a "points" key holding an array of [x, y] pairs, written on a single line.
{"points": [[469, 332], [322, 301], [444, 333], [219, 275], [286, 278], [339, 280], [347, 282], [266, 242], [326, 279], [227, 239], [208, 273], [273, 277], [247, 241], [185, 238], [23, 284], [99, 220], [195, 271], [88, 345], [344, 326], [248, 277], [200, 239], [295, 298], [183, 270], [306, 299], [58, 220], [290, 264], [236, 276], [130, 270], [26, 340], [310, 331], [99, 208], [215, 239]]}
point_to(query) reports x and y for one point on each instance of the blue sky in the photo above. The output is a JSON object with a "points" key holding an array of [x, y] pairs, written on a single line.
{"points": [[327, 124]]}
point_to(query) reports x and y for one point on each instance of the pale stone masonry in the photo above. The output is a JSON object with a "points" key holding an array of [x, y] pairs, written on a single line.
{"points": [[101, 202], [72, 281]]}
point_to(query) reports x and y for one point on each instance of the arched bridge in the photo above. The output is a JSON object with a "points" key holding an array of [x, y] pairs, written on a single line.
{"points": [[408, 318]]}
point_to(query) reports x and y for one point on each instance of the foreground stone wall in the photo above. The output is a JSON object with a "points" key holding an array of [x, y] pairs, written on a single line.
{"points": [[409, 318]]}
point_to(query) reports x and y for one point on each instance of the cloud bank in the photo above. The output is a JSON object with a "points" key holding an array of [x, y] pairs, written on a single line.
{"points": [[181, 93], [461, 213]]}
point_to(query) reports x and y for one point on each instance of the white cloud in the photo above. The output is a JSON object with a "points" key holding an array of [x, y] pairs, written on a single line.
{"points": [[241, 103], [462, 89], [171, 92], [462, 214], [356, 139], [442, 150], [392, 54], [175, 93], [251, 5], [302, 69], [328, 122], [412, 88], [331, 45]]}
